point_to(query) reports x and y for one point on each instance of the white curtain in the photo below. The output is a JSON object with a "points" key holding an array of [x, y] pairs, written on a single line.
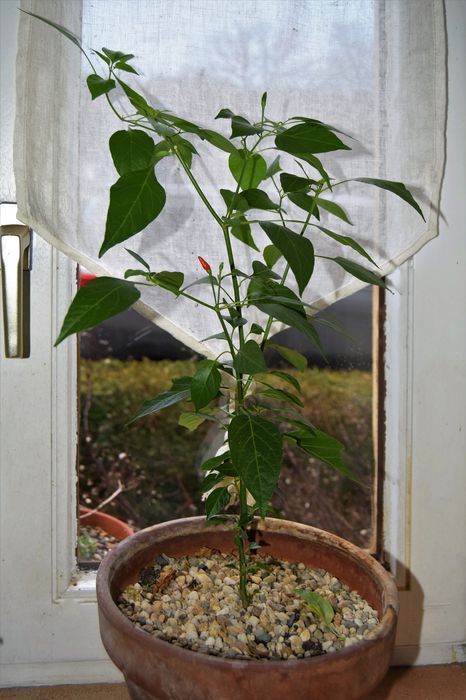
{"points": [[373, 68]]}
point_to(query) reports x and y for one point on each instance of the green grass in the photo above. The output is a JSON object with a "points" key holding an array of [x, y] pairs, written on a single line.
{"points": [[157, 461]]}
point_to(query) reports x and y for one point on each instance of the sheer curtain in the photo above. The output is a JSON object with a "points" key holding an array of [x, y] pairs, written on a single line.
{"points": [[373, 68]]}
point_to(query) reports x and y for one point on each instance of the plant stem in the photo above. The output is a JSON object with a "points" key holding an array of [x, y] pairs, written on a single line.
{"points": [[241, 539]]}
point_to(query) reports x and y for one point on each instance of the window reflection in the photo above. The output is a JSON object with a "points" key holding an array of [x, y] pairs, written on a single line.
{"points": [[147, 472]]}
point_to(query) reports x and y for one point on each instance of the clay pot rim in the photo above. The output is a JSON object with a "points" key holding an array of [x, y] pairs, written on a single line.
{"points": [[110, 523], [196, 524]]}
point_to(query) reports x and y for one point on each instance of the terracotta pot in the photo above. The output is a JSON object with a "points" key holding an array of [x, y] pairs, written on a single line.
{"points": [[155, 669], [111, 525]]}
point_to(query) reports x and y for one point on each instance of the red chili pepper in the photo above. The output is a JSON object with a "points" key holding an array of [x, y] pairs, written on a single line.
{"points": [[204, 264]]}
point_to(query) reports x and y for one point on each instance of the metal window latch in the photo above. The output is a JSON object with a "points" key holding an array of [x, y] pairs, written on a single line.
{"points": [[15, 259]]}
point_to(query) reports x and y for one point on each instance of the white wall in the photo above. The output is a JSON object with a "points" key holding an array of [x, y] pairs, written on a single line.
{"points": [[425, 515]]}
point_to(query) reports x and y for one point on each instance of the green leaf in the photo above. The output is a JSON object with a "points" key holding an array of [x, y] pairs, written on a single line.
{"points": [[292, 356], [117, 55], [287, 378], [247, 169], [242, 231], [273, 168], [303, 201], [134, 273], [309, 138], [290, 415], [99, 86], [291, 318], [184, 148], [210, 481], [136, 199], [161, 150], [215, 336], [294, 183], [325, 447], [256, 329], [271, 255], [182, 124], [99, 299], [360, 272], [274, 392], [171, 281], [309, 120], [121, 65], [263, 101], [137, 257], [217, 140], [234, 201], [261, 270], [256, 451], [347, 241], [131, 150], [319, 605], [397, 188], [216, 463], [297, 250], [179, 391], [104, 58], [205, 383], [225, 114], [69, 35], [310, 204], [250, 359], [268, 291], [335, 209], [216, 502], [258, 199], [138, 101], [317, 165], [191, 420], [242, 127]]}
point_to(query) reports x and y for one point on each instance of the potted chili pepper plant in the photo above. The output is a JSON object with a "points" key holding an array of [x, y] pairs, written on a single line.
{"points": [[295, 612]]}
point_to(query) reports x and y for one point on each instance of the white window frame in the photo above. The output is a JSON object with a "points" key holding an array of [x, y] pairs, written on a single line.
{"points": [[425, 497]]}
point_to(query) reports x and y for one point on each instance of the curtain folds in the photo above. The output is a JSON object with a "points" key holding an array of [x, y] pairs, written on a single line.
{"points": [[375, 69]]}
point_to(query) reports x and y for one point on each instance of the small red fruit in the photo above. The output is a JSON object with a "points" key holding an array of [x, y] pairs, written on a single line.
{"points": [[204, 264]]}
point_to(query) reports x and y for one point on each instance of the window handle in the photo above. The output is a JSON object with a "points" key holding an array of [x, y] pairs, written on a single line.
{"points": [[15, 260]]}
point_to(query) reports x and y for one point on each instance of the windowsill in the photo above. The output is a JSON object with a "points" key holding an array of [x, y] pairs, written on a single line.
{"points": [[419, 683]]}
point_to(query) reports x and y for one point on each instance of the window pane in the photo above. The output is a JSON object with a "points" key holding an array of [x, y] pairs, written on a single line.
{"points": [[149, 469]]}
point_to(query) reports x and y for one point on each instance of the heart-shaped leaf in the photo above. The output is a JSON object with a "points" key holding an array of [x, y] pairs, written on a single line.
{"points": [[294, 183], [242, 127], [99, 299], [325, 447], [256, 451], [258, 199], [250, 359], [171, 281], [242, 231], [216, 502], [131, 150], [179, 391], [347, 241], [397, 188], [271, 255], [205, 383], [297, 250], [248, 169], [136, 199], [292, 356], [99, 86], [309, 138], [360, 272]]}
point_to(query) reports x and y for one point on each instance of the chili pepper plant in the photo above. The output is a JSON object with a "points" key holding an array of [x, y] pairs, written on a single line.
{"points": [[259, 415]]}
